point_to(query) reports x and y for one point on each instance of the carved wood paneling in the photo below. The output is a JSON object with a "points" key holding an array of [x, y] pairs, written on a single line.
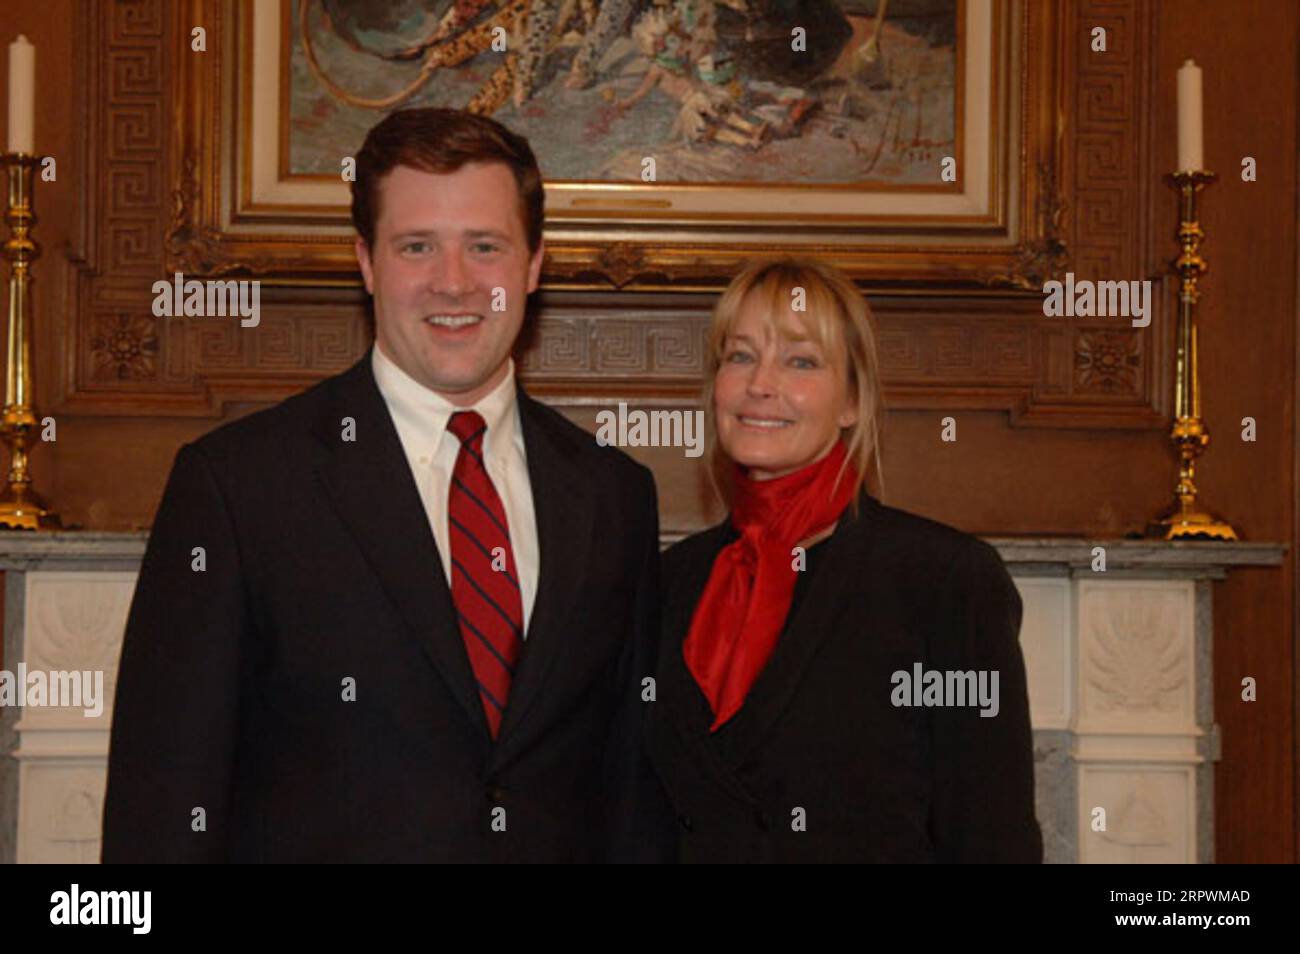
{"points": [[953, 352], [1110, 132]]}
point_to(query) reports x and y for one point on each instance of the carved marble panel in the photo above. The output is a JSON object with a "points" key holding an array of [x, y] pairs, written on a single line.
{"points": [[1136, 656], [1150, 814]]}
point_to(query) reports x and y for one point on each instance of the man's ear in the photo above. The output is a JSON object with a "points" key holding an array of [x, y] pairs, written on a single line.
{"points": [[535, 266], [363, 259]]}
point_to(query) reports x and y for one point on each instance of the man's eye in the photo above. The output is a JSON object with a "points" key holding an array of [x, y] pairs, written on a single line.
{"points": [[487, 247], [415, 247]]}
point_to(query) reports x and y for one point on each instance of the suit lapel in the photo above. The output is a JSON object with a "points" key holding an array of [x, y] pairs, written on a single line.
{"points": [[370, 484], [685, 702], [563, 505]]}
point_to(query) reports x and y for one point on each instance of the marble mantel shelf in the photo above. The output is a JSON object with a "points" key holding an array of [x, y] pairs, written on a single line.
{"points": [[1201, 558], [22, 550], [1120, 669], [69, 549]]}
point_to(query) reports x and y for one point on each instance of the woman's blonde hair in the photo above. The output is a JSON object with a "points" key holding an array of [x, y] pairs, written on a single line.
{"points": [[838, 320]]}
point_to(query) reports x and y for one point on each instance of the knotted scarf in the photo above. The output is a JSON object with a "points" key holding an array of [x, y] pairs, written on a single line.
{"points": [[748, 594]]}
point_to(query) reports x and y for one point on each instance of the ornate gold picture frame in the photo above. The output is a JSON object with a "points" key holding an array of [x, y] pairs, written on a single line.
{"points": [[239, 207]]}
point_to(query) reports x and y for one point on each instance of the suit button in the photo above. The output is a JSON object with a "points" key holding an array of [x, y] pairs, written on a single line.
{"points": [[763, 822], [686, 822], [495, 793]]}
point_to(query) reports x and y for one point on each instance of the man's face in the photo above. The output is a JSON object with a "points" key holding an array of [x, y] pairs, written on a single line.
{"points": [[448, 249]]}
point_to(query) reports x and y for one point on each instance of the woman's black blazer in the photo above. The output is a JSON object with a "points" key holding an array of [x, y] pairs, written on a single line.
{"points": [[820, 764]]}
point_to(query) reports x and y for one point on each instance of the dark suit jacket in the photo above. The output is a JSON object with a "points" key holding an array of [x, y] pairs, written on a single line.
{"points": [[819, 731], [321, 567]]}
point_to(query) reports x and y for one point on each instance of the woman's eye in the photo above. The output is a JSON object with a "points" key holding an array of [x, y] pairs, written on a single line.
{"points": [[737, 356], [803, 361]]}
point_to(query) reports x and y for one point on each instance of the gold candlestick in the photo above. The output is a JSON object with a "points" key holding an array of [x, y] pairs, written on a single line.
{"points": [[20, 507], [1189, 435]]}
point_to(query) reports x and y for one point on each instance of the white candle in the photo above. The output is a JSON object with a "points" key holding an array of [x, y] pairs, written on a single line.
{"points": [[1190, 131], [22, 94]]}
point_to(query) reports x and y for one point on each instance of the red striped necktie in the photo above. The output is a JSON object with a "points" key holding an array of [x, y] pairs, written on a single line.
{"points": [[484, 578]]}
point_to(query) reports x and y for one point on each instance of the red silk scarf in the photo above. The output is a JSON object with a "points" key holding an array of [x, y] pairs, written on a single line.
{"points": [[747, 598]]}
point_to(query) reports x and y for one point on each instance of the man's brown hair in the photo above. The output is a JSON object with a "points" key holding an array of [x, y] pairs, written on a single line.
{"points": [[441, 141]]}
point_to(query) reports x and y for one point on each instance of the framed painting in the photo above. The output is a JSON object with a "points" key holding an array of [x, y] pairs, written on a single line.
{"points": [[911, 142]]}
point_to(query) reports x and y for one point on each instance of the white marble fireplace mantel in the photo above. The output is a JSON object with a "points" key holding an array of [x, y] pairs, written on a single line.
{"points": [[1119, 667]]}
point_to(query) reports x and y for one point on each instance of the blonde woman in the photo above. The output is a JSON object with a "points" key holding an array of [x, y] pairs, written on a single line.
{"points": [[838, 680]]}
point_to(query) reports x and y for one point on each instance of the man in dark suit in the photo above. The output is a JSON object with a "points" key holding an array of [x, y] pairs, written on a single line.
{"points": [[405, 615]]}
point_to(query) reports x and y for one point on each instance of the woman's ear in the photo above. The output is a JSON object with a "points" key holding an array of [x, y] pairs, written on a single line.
{"points": [[849, 414]]}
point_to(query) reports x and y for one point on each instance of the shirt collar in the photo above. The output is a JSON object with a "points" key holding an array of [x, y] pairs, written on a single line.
{"points": [[422, 414]]}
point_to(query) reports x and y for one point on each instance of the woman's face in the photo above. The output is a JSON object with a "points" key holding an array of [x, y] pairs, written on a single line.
{"points": [[779, 403]]}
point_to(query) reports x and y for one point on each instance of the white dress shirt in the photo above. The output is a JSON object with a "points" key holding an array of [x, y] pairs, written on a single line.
{"points": [[420, 416]]}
